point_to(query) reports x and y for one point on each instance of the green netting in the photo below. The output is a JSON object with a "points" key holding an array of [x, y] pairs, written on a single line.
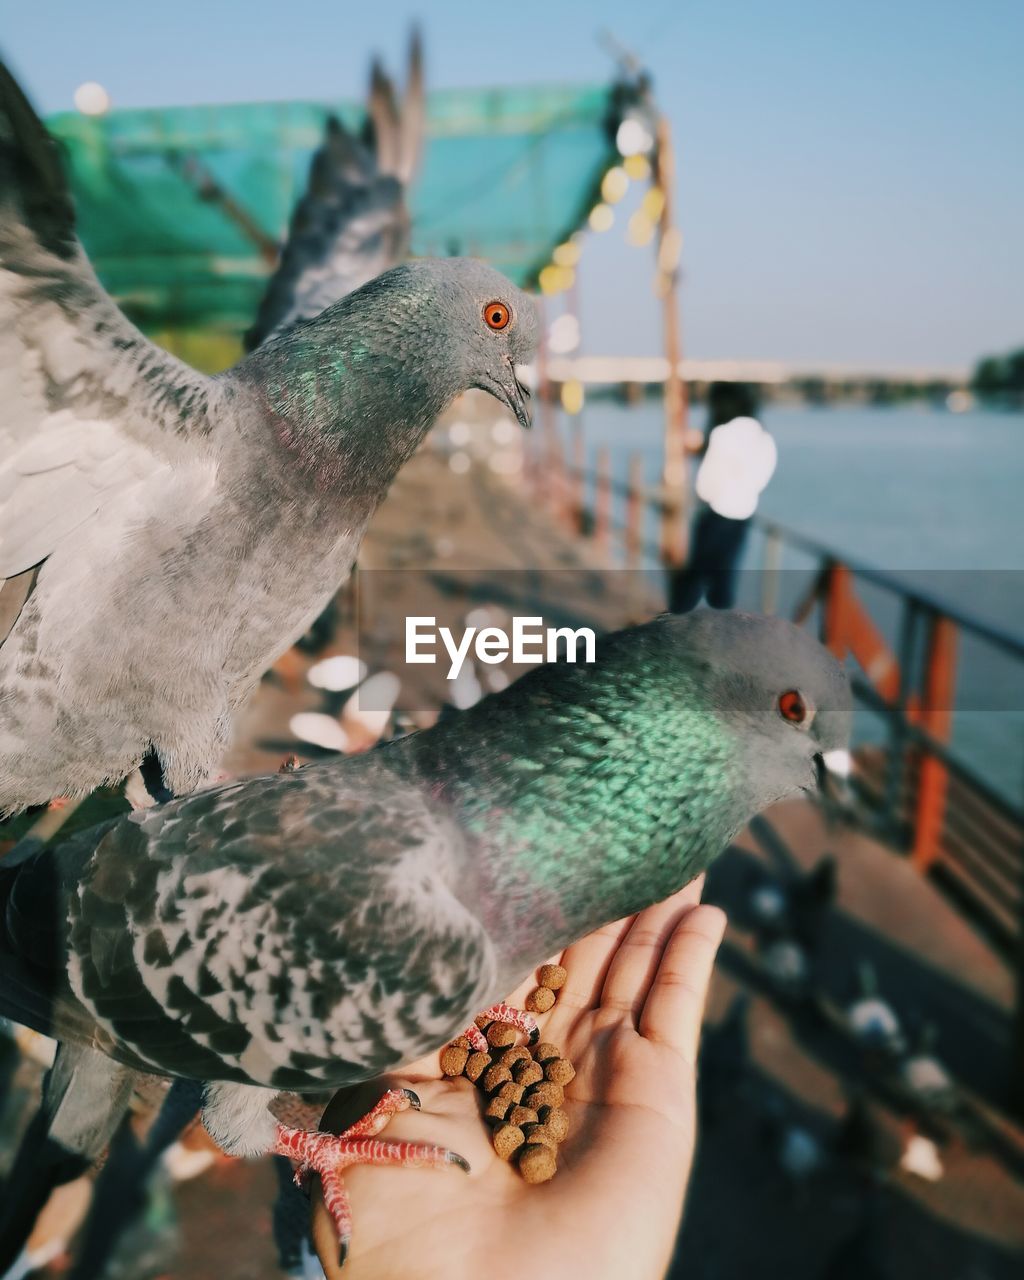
{"points": [[507, 174]]}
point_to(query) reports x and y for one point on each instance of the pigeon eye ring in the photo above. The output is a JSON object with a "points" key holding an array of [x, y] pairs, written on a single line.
{"points": [[796, 708], [497, 315]]}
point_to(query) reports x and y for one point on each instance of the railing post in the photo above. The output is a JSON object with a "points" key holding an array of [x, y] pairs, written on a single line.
{"points": [[771, 565], [576, 499], [897, 762], [1017, 1042], [603, 499], [634, 510], [673, 478], [837, 597], [936, 719]]}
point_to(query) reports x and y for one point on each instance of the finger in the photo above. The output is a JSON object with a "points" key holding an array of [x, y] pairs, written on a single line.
{"points": [[633, 966], [675, 1006], [586, 962]]}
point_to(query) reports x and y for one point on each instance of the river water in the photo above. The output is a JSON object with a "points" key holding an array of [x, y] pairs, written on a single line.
{"points": [[936, 497]]}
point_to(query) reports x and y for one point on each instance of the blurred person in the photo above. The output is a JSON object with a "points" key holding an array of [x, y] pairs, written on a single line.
{"points": [[629, 1020], [737, 459]]}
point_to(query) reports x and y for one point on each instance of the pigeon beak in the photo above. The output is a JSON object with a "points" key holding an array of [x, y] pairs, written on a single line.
{"points": [[831, 769], [510, 392]]}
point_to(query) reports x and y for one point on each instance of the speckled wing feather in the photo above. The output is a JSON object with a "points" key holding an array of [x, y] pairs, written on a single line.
{"points": [[90, 411], [352, 222], [296, 933]]}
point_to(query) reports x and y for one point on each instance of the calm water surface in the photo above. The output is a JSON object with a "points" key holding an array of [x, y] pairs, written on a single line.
{"points": [[936, 497]]}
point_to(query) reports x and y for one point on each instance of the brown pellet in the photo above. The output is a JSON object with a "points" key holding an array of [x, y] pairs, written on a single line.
{"points": [[495, 1076], [537, 1162], [497, 1109], [508, 1138], [500, 1035], [555, 1120], [560, 1071], [527, 1073], [542, 1052], [462, 1042], [476, 1065], [541, 1000], [518, 1053], [552, 976], [510, 1090], [482, 1022], [522, 1115], [540, 1133], [546, 1094], [454, 1059]]}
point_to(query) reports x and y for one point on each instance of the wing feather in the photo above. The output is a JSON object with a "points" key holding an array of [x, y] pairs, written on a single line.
{"points": [[88, 406], [292, 932], [352, 222]]}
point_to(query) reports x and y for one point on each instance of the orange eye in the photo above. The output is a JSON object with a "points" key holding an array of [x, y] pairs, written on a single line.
{"points": [[496, 314], [792, 706]]}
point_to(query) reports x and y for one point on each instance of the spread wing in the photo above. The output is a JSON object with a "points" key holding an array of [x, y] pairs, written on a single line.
{"points": [[352, 222], [88, 406], [300, 931]]}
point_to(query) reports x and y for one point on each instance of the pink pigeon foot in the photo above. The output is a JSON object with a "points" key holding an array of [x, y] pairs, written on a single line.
{"points": [[518, 1018], [330, 1155]]}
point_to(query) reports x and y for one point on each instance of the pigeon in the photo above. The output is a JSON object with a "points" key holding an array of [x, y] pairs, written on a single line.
{"points": [[873, 1022], [164, 535], [353, 222], [318, 927]]}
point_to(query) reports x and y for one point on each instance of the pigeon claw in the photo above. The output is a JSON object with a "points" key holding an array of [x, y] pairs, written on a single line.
{"points": [[518, 1018], [329, 1155]]}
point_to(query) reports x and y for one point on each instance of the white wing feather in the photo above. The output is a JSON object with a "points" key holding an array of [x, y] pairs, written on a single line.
{"points": [[89, 408]]}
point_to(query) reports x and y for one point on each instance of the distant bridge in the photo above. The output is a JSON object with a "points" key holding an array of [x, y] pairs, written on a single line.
{"points": [[651, 370]]}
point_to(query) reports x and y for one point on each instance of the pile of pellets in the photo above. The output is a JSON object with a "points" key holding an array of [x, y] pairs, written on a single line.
{"points": [[525, 1087]]}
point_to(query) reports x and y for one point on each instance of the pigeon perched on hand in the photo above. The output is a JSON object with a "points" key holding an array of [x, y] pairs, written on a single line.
{"points": [[166, 535], [316, 928]]}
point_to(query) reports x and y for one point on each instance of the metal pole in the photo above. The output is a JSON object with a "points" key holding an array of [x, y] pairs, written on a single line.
{"points": [[897, 762], [634, 510], [772, 564], [549, 482], [936, 719], [576, 480], [603, 500], [1017, 1044], [673, 476]]}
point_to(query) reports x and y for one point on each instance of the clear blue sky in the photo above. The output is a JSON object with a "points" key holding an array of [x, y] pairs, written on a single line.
{"points": [[851, 175]]}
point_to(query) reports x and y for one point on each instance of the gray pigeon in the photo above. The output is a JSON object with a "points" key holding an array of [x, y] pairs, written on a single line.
{"points": [[166, 535], [314, 929], [352, 222]]}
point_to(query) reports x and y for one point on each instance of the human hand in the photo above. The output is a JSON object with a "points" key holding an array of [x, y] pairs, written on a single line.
{"points": [[629, 1020]]}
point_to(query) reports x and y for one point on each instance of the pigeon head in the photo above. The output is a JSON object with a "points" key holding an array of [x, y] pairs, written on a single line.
{"points": [[472, 322], [759, 689], [778, 692], [355, 390]]}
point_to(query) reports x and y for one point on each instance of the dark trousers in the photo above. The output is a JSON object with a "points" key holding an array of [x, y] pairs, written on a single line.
{"points": [[712, 568]]}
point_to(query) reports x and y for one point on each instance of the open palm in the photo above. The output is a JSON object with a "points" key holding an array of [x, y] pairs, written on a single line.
{"points": [[629, 1020]]}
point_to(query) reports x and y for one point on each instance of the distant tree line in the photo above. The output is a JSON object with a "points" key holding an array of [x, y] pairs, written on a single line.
{"points": [[1000, 378]]}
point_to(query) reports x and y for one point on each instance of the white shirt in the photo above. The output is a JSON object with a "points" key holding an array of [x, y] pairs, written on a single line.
{"points": [[738, 464]]}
